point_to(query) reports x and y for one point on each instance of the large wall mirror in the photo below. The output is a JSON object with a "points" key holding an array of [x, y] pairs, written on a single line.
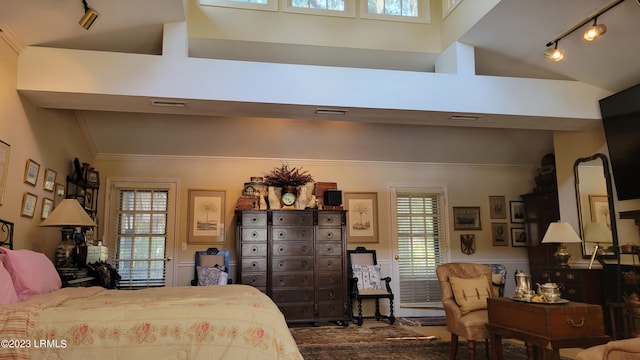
{"points": [[596, 213]]}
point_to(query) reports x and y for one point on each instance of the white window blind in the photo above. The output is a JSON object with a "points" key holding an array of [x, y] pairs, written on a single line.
{"points": [[141, 235], [419, 224]]}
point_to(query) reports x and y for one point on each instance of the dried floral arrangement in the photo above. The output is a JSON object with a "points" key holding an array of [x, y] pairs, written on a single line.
{"points": [[288, 176]]}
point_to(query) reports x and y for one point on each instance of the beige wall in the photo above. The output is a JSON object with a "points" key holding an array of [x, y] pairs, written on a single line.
{"points": [[50, 137], [466, 185]]}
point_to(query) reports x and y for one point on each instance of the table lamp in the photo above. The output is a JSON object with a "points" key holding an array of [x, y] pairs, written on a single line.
{"points": [[69, 214], [561, 233], [596, 233]]}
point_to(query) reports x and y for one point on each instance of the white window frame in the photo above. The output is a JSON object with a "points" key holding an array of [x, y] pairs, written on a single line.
{"points": [[424, 13], [448, 6], [350, 7], [271, 5], [146, 183], [427, 308]]}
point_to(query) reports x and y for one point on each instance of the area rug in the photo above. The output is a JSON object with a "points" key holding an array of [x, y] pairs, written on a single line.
{"points": [[380, 342], [423, 321]]}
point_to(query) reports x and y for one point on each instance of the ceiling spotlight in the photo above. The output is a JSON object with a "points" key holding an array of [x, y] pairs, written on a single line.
{"points": [[90, 16], [554, 54], [595, 30]]}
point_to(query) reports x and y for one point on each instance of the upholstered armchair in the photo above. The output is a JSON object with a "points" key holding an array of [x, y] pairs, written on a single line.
{"points": [[625, 349], [465, 288]]}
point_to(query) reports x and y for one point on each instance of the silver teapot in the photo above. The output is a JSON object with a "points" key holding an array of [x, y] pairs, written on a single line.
{"points": [[523, 284], [550, 292]]}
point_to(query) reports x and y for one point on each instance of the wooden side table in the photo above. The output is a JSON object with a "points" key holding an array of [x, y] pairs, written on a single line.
{"points": [[547, 327]]}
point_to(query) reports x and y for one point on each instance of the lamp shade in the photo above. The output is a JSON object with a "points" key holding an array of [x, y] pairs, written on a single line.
{"points": [[560, 232], [596, 232], [68, 213]]}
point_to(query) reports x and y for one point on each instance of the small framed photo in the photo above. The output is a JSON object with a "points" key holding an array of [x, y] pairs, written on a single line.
{"points": [[49, 179], [466, 218], [519, 237], [498, 207], [206, 216], [93, 177], [47, 206], [500, 234], [59, 193], [516, 208], [28, 204], [31, 171], [362, 217]]}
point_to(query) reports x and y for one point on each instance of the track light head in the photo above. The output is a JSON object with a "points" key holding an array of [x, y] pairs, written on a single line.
{"points": [[90, 16], [554, 53], [595, 31]]}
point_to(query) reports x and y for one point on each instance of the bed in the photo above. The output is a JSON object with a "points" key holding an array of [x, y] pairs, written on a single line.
{"points": [[203, 322]]}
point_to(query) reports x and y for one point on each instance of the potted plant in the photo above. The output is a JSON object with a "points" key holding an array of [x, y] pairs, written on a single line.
{"points": [[285, 176]]}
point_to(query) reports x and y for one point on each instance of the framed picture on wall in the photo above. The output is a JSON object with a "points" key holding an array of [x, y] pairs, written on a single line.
{"points": [[519, 237], [59, 193], [5, 150], [31, 171], [466, 218], [498, 207], [516, 208], [362, 216], [206, 216], [500, 234], [599, 207], [49, 179], [28, 204], [47, 206]]}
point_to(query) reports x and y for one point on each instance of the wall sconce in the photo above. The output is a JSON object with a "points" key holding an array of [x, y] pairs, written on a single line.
{"points": [[90, 16]]}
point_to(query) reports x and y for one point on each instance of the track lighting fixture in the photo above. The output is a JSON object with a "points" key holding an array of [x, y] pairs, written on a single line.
{"points": [[90, 16], [554, 54], [592, 33], [595, 30]]}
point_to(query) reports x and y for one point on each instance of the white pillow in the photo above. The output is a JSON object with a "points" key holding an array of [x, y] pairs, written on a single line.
{"points": [[368, 276]]}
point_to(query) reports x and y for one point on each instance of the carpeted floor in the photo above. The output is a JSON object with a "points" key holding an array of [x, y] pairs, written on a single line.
{"points": [[378, 341]]}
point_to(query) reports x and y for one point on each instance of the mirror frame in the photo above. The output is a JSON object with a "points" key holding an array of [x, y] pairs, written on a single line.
{"points": [[612, 211]]}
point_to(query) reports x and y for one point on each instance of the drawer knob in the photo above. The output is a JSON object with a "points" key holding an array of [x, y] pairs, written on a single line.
{"points": [[329, 220], [254, 249], [329, 235], [254, 220], [254, 234], [329, 249], [574, 324]]}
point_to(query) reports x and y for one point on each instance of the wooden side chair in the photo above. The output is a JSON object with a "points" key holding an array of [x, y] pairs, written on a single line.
{"points": [[365, 283], [465, 288]]}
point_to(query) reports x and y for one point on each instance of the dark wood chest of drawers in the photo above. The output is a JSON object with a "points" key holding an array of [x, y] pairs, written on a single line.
{"points": [[298, 258], [581, 285]]}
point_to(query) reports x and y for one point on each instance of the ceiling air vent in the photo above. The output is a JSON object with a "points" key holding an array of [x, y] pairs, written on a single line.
{"points": [[168, 103]]}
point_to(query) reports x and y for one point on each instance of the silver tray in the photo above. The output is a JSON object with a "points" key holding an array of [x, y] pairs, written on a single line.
{"points": [[560, 301]]}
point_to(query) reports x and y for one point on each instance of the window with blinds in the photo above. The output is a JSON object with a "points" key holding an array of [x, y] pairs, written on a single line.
{"points": [[419, 223], [141, 237]]}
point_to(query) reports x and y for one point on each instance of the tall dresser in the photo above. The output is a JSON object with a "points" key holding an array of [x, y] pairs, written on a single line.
{"points": [[298, 258]]}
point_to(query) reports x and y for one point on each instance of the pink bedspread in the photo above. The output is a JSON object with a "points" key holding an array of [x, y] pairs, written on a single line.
{"points": [[205, 322]]}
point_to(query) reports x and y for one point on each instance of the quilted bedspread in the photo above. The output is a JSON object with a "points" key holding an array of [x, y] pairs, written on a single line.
{"points": [[200, 322]]}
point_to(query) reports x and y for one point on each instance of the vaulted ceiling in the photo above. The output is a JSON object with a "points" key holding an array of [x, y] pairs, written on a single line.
{"points": [[508, 41]]}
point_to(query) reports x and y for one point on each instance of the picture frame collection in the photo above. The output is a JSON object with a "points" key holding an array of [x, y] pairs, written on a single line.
{"points": [[507, 223], [31, 177]]}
